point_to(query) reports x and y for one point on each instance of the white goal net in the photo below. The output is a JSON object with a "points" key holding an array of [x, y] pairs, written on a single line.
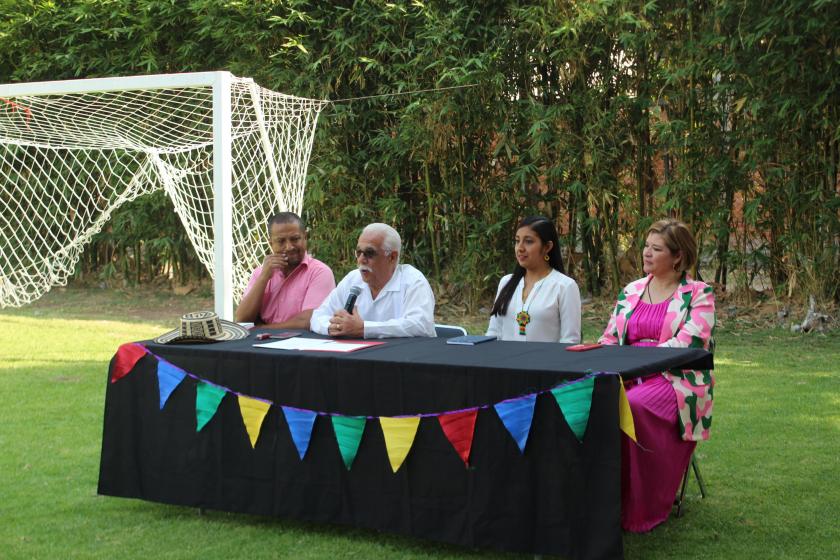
{"points": [[227, 152]]}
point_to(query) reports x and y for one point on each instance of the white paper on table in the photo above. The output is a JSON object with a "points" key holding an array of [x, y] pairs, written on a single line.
{"points": [[339, 346], [296, 343], [315, 344]]}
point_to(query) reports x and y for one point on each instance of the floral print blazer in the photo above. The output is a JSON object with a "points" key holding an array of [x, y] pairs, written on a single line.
{"points": [[689, 322]]}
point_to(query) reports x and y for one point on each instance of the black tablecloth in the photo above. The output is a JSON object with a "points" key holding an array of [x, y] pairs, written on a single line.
{"points": [[558, 497]]}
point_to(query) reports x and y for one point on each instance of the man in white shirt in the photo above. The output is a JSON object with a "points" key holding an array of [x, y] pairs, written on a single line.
{"points": [[395, 300]]}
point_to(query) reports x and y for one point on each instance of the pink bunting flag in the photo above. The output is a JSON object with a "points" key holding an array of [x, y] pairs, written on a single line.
{"points": [[127, 356], [459, 428]]}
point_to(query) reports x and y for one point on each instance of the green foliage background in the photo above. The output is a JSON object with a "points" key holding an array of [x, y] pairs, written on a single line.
{"points": [[604, 115]]}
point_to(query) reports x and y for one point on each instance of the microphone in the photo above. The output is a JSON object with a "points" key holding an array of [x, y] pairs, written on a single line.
{"points": [[351, 299]]}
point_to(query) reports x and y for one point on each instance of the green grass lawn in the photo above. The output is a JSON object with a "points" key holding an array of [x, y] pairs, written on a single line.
{"points": [[770, 467]]}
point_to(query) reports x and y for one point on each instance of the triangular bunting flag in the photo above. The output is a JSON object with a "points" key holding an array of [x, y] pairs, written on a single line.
{"points": [[574, 400], [169, 377], [517, 415], [625, 415], [348, 434], [207, 399], [253, 413], [459, 428], [126, 358], [399, 435], [300, 423]]}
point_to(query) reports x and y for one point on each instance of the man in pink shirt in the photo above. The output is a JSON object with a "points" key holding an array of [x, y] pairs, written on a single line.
{"points": [[283, 291]]}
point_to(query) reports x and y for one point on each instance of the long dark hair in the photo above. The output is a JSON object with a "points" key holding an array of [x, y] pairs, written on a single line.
{"points": [[546, 231]]}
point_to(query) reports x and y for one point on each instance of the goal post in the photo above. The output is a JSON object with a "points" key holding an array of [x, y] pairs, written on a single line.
{"points": [[226, 151], [222, 214]]}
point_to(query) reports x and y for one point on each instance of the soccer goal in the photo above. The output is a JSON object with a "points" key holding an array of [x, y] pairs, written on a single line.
{"points": [[227, 152]]}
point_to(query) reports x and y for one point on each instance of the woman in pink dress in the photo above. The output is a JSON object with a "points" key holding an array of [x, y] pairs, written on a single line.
{"points": [[671, 410]]}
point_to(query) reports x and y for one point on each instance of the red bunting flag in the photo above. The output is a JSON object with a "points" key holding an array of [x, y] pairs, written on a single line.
{"points": [[125, 359], [459, 428]]}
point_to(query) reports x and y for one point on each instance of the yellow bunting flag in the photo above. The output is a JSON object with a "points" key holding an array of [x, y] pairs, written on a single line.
{"points": [[253, 413], [399, 435], [625, 415]]}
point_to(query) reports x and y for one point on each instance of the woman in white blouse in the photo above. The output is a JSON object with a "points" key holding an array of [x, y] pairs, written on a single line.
{"points": [[537, 302]]}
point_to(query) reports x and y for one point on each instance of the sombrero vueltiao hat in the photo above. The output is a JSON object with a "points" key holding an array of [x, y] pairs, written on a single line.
{"points": [[202, 327]]}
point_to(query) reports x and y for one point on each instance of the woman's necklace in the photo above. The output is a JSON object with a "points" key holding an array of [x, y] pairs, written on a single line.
{"points": [[523, 317], [668, 290]]}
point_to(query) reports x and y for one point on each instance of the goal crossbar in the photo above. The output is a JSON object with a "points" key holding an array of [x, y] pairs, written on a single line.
{"points": [[127, 83]]}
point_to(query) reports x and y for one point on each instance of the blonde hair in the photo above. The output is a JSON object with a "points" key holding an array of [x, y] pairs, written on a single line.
{"points": [[679, 240]]}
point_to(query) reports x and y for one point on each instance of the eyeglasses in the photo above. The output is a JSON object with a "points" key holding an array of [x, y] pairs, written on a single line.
{"points": [[369, 253]]}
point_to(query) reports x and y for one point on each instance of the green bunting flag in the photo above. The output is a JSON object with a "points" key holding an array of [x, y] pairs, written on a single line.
{"points": [[207, 399], [348, 433], [574, 400]]}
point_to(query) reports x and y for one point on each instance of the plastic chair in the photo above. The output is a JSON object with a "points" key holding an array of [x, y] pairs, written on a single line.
{"points": [[448, 331], [692, 465]]}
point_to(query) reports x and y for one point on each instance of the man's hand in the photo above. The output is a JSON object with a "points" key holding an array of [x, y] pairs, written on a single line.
{"points": [[272, 262], [345, 324]]}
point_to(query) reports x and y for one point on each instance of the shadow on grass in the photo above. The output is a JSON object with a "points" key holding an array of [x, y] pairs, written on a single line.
{"points": [[338, 535]]}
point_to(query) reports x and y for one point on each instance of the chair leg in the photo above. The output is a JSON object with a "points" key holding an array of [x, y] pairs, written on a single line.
{"points": [[694, 466], [697, 475], [679, 500]]}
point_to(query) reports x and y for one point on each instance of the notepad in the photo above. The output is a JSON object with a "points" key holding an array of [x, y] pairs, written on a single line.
{"points": [[470, 339]]}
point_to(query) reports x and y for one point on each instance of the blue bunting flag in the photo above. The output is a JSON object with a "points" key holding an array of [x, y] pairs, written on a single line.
{"points": [[517, 415], [169, 377], [300, 425]]}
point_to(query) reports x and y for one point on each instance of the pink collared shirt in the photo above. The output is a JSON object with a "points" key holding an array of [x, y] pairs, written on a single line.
{"points": [[286, 296]]}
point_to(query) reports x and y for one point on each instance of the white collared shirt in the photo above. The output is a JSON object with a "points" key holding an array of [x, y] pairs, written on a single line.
{"points": [[404, 307], [553, 304]]}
